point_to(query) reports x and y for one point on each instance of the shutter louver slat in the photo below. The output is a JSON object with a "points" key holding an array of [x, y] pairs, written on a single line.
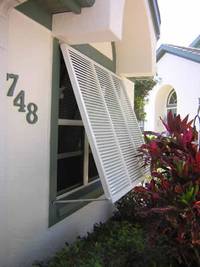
{"points": [[98, 93], [131, 120], [130, 116], [120, 125]]}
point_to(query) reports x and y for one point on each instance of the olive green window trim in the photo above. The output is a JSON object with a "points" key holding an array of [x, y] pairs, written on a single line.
{"points": [[97, 56], [62, 211], [58, 212], [54, 130], [114, 53]]}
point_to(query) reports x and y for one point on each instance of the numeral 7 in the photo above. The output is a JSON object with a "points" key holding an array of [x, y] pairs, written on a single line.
{"points": [[15, 77]]}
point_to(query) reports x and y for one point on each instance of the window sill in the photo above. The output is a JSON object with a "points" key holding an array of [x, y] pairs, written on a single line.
{"points": [[60, 211]]}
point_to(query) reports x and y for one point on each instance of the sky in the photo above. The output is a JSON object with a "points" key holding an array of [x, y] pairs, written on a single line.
{"points": [[180, 21]]}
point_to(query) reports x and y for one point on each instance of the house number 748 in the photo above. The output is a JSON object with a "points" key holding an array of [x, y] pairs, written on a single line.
{"points": [[19, 100]]}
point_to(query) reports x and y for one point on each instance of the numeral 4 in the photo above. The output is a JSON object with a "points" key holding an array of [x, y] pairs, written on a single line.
{"points": [[19, 101]]}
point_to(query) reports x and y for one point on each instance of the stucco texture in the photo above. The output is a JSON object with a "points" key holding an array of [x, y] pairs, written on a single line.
{"points": [[25, 167], [180, 74]]}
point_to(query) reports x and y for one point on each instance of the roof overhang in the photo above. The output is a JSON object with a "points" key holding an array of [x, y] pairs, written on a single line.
{"points": [[155, 13], [182, 52], [196, 42], [133, 25], [100, 23], [58, 6]]}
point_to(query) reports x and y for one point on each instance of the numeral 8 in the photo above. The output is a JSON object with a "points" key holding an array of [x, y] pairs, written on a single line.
{"points": [[31, 115]]}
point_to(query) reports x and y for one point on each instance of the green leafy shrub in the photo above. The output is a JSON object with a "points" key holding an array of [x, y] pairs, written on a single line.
{"points": [[113, 244], [142, 88], [169, 204], [157, 224]]}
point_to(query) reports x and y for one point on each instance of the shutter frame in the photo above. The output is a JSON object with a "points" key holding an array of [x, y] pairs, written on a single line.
{"points": [[78, 80]]}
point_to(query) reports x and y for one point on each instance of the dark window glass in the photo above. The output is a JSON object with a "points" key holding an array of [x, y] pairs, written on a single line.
{"points": [[69, 173], [70, 138], [68, 108], [172, 103], [173, 99]]}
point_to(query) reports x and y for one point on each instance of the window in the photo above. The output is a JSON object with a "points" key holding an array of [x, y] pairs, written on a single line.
{"points": [[109, 120], [172, 102], [73, 173], [75, 164], [91, 107]]}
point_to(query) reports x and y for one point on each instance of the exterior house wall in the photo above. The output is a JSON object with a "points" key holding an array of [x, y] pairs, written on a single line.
{"points": [[130, 86], [106, 17], [182, 75], [26, 154], [26, 49], [105, 48], [3, 178], [140, 40]]}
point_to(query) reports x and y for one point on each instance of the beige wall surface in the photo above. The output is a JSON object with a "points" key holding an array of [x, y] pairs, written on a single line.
{"points": [[100, 23], [136, 49], [26, 149], [3, 119], [25, 164], [127, 22], [105, 48]]}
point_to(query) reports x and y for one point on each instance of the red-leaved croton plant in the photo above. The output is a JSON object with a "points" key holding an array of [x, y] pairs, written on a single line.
{"points": [[172, 195]]}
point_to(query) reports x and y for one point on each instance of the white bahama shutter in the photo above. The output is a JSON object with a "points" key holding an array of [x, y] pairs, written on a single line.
{"points": [[109, 121]]}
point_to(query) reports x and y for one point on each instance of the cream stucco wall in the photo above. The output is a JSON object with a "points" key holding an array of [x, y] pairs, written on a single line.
{"points": [[24, 179], [105, 48], [136, 49], [129, 87], [3, 119], [127, 22], [100, 23], [182, 75], [24, 166]]}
